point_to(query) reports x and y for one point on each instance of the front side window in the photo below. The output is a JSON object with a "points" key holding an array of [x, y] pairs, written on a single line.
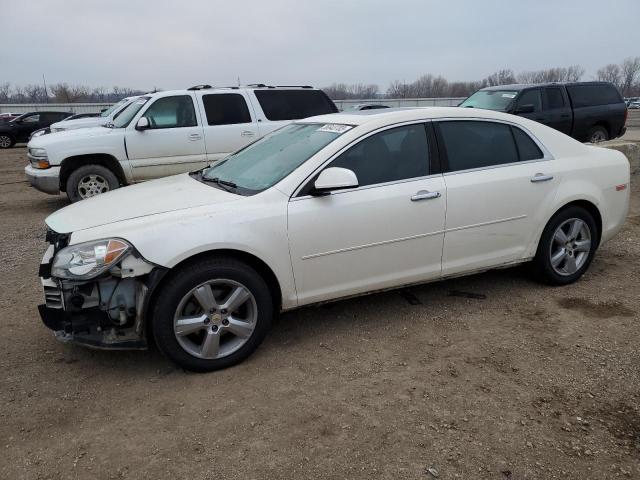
{"points": [[395, 154], [476, 144], [294, 104], [530, 97], [491, 100], [226, 109], [31, 118], [171, 112], [265, 162]]}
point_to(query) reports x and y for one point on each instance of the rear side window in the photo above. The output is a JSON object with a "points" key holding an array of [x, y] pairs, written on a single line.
{"points": [[294, 104], [476, 144], [553, 98], [527, 148], [395, 154], [226, 109], [592, 95]]}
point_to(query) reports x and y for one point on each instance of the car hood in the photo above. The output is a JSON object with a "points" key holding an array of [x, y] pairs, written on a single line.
{"points": [[62, 137], [81, 123], [150, 198]]}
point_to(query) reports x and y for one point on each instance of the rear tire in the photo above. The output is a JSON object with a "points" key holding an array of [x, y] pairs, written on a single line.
{"points": [[598, 134], [197, 323], [90, 180], [6, 141], [567, 246]]}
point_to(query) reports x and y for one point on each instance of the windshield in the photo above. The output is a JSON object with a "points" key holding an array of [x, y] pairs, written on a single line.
{"points": [[113, 107], [129, 112], [491, 99], [265, 162]]}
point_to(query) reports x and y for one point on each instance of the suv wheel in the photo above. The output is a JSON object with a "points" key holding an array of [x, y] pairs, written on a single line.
{"points": [[567, 246], [89, 181], [212, 314], [598, 134], [6, 141]]}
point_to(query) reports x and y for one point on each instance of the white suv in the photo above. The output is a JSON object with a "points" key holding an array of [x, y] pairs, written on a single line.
{"points": [[109, 115], [163, 134]]}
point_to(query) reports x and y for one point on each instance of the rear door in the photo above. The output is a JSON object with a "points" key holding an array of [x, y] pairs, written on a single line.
{"points": [[500, 186], [228, 123], [557, 111], [172, 144]]}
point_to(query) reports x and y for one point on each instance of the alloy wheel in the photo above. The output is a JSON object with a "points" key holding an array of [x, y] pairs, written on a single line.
{"points": [[570, 246], [5, 141], [92, 185], [215, 319]]}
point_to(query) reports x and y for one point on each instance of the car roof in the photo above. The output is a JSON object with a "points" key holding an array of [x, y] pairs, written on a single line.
{"points": [[210, 89], [398, 115], [522, 86]]}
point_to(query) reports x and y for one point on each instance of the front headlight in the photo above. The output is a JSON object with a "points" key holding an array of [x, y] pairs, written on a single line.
{"points": [[38, 152], [88, 260]]}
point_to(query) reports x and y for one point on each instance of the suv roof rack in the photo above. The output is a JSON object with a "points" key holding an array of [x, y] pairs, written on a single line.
{"points": [[200, 87], [292, 86], [262, 85]]}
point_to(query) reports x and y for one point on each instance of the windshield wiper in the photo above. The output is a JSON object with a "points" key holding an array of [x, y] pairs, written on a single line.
{"points": [[222, 183]]}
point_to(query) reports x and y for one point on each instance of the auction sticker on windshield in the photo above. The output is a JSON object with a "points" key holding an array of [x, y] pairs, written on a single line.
{"points": [[335, 128]]}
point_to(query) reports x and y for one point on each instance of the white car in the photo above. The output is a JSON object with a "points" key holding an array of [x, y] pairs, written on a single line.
{"points": [[163, 134], [108, 116], [325, 208]]}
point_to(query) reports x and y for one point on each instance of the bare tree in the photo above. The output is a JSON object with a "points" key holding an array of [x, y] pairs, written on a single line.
{"points": [[610, 73], [501, 77], [5, 92], [555, 74], [630, 71]]}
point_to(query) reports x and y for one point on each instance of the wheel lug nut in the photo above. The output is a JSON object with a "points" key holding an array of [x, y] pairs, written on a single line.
{"points": [[212, 310], [207, 321], [225, 322], [223, 311], [214, 328]]}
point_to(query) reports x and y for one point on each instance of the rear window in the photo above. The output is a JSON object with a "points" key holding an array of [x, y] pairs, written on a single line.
{"points": [[294, 104], [591, 95], [226, 109]]}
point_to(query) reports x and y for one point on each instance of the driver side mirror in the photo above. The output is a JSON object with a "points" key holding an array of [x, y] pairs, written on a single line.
{"points": [[334, 178], [529, 108], [143, 124]]}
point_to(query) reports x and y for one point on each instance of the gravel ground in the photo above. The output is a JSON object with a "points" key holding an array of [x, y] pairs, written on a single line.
{"points": [[490, 376]]}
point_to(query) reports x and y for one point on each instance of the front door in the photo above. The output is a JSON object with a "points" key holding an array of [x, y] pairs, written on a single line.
{"points": [[26, 126], [173, 143], [500, 185], [385, 233]]}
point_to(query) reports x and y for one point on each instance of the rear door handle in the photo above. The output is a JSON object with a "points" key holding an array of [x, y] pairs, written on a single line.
{"points": [[425, 195], [541, 177], [247, 133], [195, 136]]}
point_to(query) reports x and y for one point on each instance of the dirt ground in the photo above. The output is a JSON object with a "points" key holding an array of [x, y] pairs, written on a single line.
{"points": [[491, 376]]}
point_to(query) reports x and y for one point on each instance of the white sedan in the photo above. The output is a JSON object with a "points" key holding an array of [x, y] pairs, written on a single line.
{"points": [[325, 208]]}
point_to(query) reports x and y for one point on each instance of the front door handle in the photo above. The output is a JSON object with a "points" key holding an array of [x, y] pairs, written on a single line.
{"points": [[195, 136], [425, 195], [541, 177], [247, 133]]}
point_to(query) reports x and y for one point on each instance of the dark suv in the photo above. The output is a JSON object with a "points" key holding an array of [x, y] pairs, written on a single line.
{"points": [[20, 128], [587, 111]]}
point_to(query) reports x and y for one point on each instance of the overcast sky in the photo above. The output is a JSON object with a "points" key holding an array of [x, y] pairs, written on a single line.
{"points": [[145, 44]]}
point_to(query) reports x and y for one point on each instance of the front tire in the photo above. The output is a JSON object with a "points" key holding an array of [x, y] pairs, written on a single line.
{"points": [[6, 141], [90, 180], [212, 314], [567, 246]]}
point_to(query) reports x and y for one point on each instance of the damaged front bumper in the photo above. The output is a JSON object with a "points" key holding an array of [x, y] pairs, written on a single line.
{"points": [[107, 312]]}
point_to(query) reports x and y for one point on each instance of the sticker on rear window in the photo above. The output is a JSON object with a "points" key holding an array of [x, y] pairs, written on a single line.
{"points": [[334, 128], [508, 95]]}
